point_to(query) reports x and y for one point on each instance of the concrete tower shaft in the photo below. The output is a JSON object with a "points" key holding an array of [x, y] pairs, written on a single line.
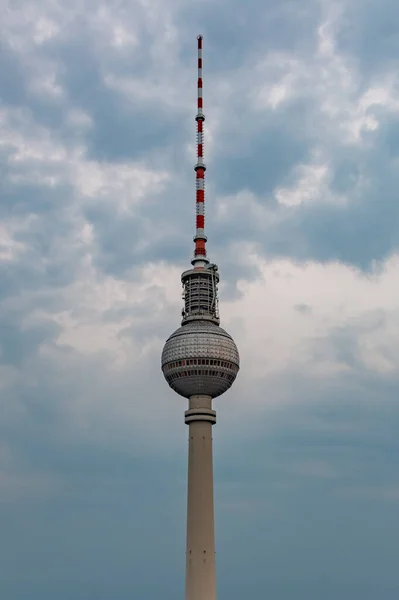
{"points": [[200, 549]]}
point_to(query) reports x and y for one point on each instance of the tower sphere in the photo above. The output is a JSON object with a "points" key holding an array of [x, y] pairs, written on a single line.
{"points": [[200, 358]]}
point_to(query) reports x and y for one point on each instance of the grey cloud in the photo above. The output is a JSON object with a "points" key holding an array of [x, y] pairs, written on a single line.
{"points": [[15, 80], [16, 345], [101, 559], [12, 78], [123, 128], [305, 309], [111, 493], [23, 199], [264, 157], [258, 486], [226, 24], [91, 505], [363, 231], [369, 31]]}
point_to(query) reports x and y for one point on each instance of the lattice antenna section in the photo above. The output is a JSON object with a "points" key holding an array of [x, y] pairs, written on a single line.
{"points": [[200, 259]]}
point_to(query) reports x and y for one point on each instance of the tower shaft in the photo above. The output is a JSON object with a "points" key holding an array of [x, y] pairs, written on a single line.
{"points": [[200, 550]]}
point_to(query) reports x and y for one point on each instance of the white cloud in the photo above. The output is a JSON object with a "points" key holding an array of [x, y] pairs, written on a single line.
{"points": [[277, 78], [44, 30], [312, 186], [85, 333], [123, 324], [77, 118], [385, 493], [316, 469], [37, 156], [275, 337], [9, 247], [330, 79]]}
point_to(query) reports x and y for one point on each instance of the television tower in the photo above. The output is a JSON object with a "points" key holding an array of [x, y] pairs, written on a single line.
{"points": [[200, 361]]}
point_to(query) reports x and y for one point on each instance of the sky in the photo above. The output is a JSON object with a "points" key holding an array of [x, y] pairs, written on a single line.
{"points": [[97, 147]]}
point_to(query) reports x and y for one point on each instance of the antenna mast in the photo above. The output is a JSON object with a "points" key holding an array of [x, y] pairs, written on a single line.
{"points": [[200, 259], [200, 283]]}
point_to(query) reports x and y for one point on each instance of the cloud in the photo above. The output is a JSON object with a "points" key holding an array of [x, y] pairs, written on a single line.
{"points": [[97, 216]]}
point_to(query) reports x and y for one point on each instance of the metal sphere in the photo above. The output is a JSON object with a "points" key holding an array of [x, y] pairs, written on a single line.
{"points": [[200, 358]]}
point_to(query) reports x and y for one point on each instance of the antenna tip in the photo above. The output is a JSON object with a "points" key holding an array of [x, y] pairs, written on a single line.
{"points": [[199, 37]]}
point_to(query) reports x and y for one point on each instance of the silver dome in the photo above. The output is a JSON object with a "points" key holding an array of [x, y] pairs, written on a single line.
{"points": [[200, 358]]}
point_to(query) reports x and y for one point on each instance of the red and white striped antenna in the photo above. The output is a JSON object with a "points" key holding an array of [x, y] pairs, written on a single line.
{"points": [[200, 259]]}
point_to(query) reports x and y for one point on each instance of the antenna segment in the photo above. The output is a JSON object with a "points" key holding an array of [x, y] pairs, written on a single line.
{"points": [[200, 259]]}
